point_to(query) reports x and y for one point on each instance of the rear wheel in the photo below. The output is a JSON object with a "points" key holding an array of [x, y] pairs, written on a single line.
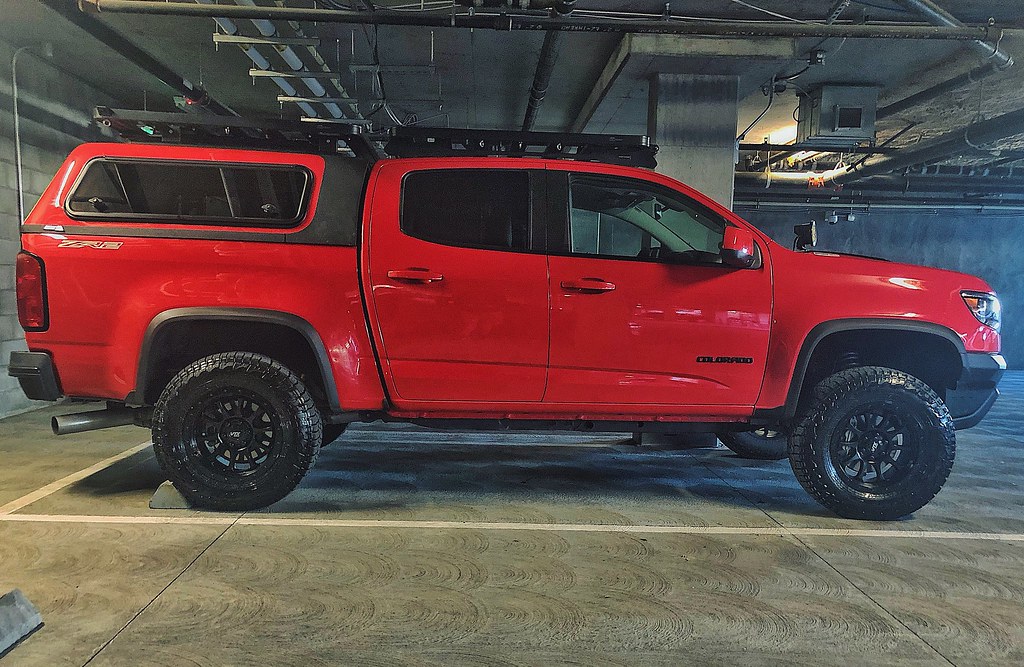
{"points": [[235, 431], [873, 443], [764, 444]]}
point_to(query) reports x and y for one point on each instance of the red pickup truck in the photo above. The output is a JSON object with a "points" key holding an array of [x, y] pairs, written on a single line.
{"points": [[248, 304]]}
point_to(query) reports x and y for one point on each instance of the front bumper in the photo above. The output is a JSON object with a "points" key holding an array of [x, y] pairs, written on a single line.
{"points": [[976, 390], [36, 374]]}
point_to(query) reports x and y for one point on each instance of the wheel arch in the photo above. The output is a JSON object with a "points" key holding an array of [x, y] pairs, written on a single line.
{"points": [[149, 372], [898, 332]]}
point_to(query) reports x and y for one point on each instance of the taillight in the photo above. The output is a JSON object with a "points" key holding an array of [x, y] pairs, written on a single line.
{"points": [[31, 287]]}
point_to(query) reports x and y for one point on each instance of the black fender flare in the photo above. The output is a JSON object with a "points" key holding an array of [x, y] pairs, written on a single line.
{"points": [[826, 329], [213, 314]]}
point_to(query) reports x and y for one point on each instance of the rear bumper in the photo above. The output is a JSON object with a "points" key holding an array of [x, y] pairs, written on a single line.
{"points": [[36, 375], [976, 390]]}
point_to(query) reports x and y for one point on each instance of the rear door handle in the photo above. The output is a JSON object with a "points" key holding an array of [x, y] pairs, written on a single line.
{"points": [[416, 275], [588, 285]]}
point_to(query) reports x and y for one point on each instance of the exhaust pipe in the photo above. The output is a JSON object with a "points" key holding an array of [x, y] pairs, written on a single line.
{"points": [[80, 422]]}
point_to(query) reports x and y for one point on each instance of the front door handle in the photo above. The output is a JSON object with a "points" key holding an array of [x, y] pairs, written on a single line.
{"points": [[593, 285], [416, 275]]}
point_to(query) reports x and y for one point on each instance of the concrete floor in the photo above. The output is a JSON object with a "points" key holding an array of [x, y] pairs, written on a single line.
{"points": [[408, 546]]}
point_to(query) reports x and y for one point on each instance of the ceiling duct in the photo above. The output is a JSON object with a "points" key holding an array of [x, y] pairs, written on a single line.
{"points": [[837, 117]]}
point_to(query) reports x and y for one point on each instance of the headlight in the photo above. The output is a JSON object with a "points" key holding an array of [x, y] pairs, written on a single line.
{"points": [[985, 307]]}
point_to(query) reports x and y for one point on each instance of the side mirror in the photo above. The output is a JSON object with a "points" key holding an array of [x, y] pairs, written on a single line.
{"points": [[806, 235], [738, 248]]}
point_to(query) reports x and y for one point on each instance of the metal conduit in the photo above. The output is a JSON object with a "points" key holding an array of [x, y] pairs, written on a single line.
{"points": [[528, 22]]}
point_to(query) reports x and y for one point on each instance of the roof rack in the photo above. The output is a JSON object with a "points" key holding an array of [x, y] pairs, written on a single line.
{"points": [[330, 137], [314, 135], [632, 150]]}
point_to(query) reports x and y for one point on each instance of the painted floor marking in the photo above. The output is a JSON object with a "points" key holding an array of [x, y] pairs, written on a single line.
{"points": [[257, 520], [63, 482]]}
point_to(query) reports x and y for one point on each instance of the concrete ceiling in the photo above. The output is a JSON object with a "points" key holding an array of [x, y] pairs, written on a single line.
{"points": [[481, 78]]}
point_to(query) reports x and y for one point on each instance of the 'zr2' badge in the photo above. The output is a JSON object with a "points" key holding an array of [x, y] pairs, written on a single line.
{"points": [[98, 245]]}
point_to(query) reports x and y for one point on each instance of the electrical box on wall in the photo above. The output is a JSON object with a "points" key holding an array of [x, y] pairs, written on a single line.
{"points": [[837, 116]]}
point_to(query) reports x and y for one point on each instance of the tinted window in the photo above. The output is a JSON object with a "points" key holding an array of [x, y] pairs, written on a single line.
{"points": [[475, 208], [266, 196], [614, 217]]}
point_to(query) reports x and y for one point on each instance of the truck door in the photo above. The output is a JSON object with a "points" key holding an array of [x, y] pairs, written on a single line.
{"points": [[459, 296], [643, 312]]}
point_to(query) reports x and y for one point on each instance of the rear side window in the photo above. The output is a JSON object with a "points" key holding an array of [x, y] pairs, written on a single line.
{"points": [[471, 208], [252, 195]]}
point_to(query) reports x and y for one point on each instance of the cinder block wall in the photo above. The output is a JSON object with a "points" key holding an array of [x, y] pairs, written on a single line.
{"points": [[55, 113], [984, 245]]}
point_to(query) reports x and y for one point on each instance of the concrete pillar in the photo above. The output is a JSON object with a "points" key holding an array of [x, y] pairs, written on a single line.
{"points": [[693, 119]]}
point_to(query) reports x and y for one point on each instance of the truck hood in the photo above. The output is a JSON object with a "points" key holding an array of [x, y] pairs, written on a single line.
{"points": [[832, 286]]}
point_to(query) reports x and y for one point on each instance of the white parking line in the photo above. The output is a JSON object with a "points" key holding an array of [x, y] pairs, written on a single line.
{"points": [[54, 487], [269, 520]]}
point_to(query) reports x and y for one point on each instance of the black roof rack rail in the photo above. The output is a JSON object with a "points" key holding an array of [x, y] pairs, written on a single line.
{"points": [[323, 136], [331, 137], [631, 150]]}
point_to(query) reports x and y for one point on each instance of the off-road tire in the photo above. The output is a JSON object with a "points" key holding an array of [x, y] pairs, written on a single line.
{"points": [[332, 432], [819, 443], [756, 444], [284, 431]]}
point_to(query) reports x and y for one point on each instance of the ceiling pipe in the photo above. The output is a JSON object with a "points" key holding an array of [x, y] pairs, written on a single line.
{"points": [[940, 17], [939, 186], [968, 139], [504, 21], [996, 60], [545, 66], [542, 76], [867, 207]]}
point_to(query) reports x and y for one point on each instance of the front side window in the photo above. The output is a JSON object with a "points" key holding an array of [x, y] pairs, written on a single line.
{"points": [[187, 192], [625, 218], [470, 208]]}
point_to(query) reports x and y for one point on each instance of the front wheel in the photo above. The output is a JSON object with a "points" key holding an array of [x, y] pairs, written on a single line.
{"points": [[235, 431], [873, 443]]}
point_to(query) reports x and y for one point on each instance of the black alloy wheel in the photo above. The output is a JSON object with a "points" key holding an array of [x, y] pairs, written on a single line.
{"points": [[876, 449], [234, 432]]}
